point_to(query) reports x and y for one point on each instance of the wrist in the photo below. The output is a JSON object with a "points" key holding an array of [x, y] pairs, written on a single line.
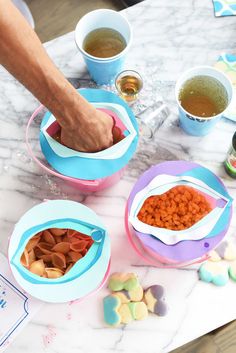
{"points": [[62, 101]]}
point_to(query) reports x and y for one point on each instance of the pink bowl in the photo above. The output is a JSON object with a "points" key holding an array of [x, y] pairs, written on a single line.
{"points": [[83, 185]]}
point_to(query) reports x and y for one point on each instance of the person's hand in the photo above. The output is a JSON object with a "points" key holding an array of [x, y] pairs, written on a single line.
{"points": [[83, 128], [90, 130]]}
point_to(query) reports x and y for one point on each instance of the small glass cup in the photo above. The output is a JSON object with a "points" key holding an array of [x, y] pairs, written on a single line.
{"points": [[152, 118], [128, 84]]}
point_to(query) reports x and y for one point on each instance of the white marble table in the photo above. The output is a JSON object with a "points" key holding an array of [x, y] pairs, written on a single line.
{"points": [[169, 37]]}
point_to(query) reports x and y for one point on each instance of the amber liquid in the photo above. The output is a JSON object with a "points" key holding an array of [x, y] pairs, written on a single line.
{"points": [[203, 96], [104, 43], [129, 87]]}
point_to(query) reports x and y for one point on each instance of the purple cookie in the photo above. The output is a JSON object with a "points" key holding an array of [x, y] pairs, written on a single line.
{"points": [[153, 297]]}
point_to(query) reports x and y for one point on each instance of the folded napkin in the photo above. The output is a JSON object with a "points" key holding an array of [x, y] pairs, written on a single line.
{"points": [[224, 7], [16, 307], [227, 64]]}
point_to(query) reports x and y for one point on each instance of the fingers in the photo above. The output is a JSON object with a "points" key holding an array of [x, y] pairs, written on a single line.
{"points": [[117, 135], [72, 143], [92, 134]]}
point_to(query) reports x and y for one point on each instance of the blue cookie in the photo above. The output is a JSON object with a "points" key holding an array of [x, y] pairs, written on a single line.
{"points": [[111, 305], [214, 272]]}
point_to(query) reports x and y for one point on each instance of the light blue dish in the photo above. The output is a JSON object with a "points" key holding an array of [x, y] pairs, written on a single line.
{"points": [[76, 165], [86, 275]]}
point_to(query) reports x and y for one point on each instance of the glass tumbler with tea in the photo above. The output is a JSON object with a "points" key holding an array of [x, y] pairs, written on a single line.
{"points": [[128, 84], [230, 161]]}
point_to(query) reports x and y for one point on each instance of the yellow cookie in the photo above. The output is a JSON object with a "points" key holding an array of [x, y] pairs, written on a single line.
{"points": [[214, 256], [123, 281], [123, 295], [125, 314], [133, 311], [134, 295]]}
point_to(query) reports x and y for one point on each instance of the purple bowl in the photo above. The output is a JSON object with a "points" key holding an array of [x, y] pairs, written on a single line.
{"points": [[186, 250]]}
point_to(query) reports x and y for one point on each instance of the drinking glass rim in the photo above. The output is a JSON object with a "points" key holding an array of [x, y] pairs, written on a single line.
{"points": [[133, 71]]}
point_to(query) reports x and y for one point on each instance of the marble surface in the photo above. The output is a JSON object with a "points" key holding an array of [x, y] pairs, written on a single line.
{"points": [[169, 37]]}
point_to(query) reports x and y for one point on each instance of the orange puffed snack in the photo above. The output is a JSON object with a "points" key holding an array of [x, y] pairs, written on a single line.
{"points": [[177, 209]]}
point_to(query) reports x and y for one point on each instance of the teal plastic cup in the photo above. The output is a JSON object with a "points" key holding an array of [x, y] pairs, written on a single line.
{"points": [[103, 70]]}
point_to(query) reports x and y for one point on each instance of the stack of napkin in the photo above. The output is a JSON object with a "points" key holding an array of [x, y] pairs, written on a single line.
{"points": [[227, 64], [224, 7]]}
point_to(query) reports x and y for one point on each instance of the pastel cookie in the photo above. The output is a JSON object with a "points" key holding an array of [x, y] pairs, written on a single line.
{"points": [[123, 295], [154, 298], [133, 311], [214, 272], [227, 250], [214, 256], [111, 304], [120, 281], [134, 295], [232, 270], [125, 314], [116, 313]]}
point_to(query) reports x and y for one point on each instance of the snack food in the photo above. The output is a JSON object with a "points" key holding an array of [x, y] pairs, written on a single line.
{"points": [[154, 299], [53, 252], [133, 311], [134, 295], [232, 270], [116, 313], [214, 272], [123, 295], [129, 301], [177, 209], [227, 250], [111, 304], [119, 281], [214, 256]]}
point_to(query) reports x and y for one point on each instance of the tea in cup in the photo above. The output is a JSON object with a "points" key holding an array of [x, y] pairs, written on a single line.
{"points": [[203, 95], [128, 84], [103, 37]]}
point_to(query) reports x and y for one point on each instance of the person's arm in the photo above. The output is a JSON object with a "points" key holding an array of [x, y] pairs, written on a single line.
{"points": [[83, 127]]}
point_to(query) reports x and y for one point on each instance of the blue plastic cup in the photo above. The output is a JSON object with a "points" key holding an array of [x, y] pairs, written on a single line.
{"points": [[103, 70], [195, 125]]}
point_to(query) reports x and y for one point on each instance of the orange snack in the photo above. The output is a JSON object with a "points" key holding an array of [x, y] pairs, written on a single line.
{"points": [[53, 252], [177, 209]]}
